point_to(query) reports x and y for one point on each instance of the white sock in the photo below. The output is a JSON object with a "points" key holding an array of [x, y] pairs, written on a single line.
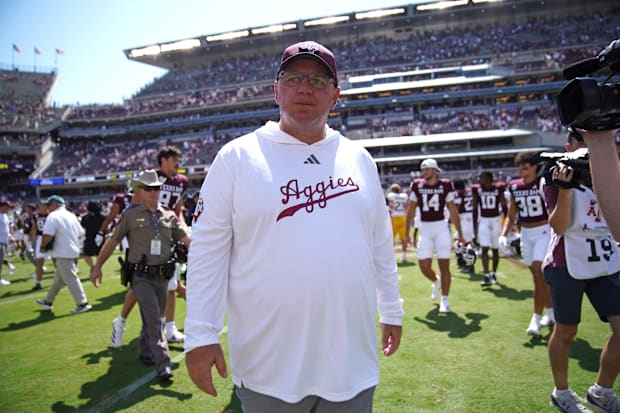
{"points": [[537, 317], [550, 313], [120, 317], [558, 393], [169, 326]]}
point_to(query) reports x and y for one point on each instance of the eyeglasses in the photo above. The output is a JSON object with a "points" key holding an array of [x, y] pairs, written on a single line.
{"points": [[315, 80], [151, 188]]}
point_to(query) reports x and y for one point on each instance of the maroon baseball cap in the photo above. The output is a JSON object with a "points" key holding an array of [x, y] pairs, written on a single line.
{"points": [[310, 49]]}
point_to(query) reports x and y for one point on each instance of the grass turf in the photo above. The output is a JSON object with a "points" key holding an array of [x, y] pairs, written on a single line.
{"points": [[476, 359]]}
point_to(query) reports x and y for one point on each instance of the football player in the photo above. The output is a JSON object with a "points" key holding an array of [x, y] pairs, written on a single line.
{"points": [[489, 203], [431, 195], [397, 201], [527, 205]]}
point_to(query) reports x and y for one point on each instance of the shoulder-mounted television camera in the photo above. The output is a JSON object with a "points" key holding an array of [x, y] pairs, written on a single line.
{"points": [[577, 160], [583, 102]]}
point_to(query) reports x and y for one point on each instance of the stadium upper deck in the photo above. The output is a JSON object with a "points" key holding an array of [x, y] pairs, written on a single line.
{"points": [[222, 88], [397, 23]]}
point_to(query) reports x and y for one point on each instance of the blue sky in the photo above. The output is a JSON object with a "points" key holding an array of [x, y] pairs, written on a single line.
{"points": [[93, 35]]}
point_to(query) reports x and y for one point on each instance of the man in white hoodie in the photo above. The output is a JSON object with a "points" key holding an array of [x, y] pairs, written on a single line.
{"points": [[268, 252]]}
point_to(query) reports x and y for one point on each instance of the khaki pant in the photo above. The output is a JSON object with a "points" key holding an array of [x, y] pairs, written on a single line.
{"points": [[66, 274], [151, 294]]}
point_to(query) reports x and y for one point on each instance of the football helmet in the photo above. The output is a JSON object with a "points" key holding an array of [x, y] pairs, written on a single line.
{"points": [[469, 256], [465, 254]]}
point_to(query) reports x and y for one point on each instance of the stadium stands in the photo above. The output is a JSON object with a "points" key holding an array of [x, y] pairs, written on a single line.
{"points": [[413, 77]]}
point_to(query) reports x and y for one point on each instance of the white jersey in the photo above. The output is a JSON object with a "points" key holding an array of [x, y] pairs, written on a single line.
{"points": [[397, 202], [295, 246], [591, 252]]}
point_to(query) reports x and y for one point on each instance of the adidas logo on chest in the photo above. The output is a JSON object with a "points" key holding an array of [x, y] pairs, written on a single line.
{"points": [[312, 160]]}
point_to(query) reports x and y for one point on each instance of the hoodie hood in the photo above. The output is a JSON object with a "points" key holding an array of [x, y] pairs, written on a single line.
{"points": [[271, 130]]}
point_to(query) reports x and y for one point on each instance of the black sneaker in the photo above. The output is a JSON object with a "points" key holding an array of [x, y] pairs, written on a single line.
{"points": [[486, 282], [493, 279], [166, 374], [82, 308], [44, 304], [36, 287]]}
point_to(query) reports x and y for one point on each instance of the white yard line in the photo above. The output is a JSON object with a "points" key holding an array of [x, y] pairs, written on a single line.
{"points": [[126, 391]]}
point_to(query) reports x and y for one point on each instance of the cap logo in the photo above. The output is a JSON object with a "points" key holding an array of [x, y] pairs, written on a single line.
{"points": [[309, 47]]}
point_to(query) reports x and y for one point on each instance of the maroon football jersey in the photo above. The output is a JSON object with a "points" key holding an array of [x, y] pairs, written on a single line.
{"points": [[172, 189], [432, 199], [529, 201], [121, 201], [464, 200], [40, 219], [489, 199]]}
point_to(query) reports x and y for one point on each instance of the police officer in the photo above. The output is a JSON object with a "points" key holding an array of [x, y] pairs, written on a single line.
{"points": [[150, 229]]}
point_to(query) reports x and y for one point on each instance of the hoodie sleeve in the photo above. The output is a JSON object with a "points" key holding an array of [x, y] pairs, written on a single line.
{"points": [[209, 257], [386, 275]]}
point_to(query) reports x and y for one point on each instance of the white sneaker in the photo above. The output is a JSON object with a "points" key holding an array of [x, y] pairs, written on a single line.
{"points": [[436, 289], [444, 307], [608, 403], [118, 328], [546, 321], [11, 269], [174, 336], [569, 403], [4, 282], [534, 327]]}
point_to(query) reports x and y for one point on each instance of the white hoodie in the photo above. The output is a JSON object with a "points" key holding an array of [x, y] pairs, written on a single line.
{"points": [[294, 243]]}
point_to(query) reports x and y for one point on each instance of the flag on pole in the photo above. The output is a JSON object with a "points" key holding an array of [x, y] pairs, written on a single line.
{"points": [[60, 51], [37, 51], [16, 48]]}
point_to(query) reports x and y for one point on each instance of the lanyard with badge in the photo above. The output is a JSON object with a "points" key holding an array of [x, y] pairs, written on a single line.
{"points": [[156, 242]]}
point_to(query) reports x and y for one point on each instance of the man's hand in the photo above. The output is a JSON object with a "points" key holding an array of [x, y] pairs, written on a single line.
{"points": [[96, 276], [390, 338], [199, 362]]}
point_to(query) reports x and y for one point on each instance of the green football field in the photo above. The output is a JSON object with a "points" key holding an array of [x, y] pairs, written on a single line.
{"points": [[476, 359]]}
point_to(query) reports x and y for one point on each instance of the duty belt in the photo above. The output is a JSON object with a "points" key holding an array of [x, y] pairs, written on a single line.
{"points": [[148, 269]]}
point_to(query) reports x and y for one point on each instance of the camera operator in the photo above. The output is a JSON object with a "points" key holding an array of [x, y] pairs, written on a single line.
{"points": [[605, 171], [582, 258], [593, 108]]}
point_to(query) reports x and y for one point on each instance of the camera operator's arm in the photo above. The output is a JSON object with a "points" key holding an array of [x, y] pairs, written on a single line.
{"points": [[559, 200], [605, 171]]}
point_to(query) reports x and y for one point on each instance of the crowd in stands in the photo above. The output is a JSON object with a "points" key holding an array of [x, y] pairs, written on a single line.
{"points": [[95, 157], [23, 100], [234, 80], [31, 140], [541, 44], [423, 49]]}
